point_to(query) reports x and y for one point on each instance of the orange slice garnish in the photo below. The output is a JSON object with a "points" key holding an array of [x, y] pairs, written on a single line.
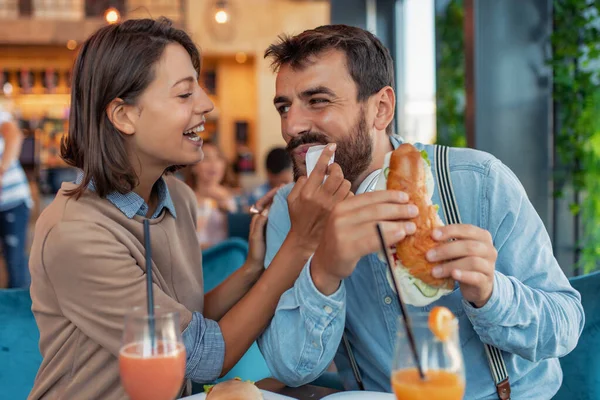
{"points": [[440, 322]]}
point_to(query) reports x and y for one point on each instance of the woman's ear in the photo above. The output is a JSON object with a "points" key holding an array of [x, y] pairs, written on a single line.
{"points": [[122, 116], [385, 105]]}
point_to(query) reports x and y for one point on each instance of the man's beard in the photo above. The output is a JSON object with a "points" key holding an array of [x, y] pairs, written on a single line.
{"points": [[353, 153]]}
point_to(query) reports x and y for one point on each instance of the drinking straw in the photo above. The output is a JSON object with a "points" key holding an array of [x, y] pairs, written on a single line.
{"points": [[150, 296], [407, 325]]}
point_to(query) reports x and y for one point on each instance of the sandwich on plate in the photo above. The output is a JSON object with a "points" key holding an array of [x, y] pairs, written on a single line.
{"points": [[233, 389]]}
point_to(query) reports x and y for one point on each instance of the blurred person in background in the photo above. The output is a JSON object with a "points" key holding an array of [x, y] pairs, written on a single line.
{"points": [[279, 173], [215, 195], [15, 202]]}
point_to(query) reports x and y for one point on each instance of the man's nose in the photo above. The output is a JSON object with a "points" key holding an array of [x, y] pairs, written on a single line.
{"points": [[297, 121]]}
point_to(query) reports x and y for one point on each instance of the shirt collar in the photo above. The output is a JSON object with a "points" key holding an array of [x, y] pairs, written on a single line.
{"points": [[396, 141], [132, 204], [368, 184]]}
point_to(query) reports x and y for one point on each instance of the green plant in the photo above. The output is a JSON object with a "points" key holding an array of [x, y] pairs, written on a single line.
{"points": [[575, 62], [450, 75]]}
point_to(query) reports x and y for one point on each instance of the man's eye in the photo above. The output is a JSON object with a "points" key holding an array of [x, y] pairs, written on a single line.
{"points": [[283, 109], [319, 101]]}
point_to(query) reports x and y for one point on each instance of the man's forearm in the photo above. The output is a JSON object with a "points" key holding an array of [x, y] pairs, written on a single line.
{"points": [[249, 317], [530, 322], [298, 356]]}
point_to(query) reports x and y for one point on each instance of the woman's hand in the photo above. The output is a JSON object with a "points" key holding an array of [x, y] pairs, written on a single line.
{"points": [[257, 240]]}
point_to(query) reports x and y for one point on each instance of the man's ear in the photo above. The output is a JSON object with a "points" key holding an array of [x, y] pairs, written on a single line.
{"points": [[123, 116], [385, 105]]}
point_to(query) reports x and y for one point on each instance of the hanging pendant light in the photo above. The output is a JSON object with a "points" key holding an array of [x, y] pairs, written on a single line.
{"points": [[221, 15]]}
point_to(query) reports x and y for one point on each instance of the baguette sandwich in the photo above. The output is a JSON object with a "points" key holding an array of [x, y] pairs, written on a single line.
{"points": [[409, 170]]}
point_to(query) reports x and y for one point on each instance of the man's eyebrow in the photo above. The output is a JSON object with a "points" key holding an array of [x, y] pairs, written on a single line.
{"points": [[280, 99], [306, 93], [317, 90]]}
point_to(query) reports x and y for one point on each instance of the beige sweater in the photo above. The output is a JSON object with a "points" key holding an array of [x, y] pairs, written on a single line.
{"points": [[88, 270]]}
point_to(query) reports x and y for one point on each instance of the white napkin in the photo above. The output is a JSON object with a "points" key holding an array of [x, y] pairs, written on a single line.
{"points": [[312, 156]]}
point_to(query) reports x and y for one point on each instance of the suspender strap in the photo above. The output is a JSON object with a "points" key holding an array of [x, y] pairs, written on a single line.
{"points": [[452, 216]]}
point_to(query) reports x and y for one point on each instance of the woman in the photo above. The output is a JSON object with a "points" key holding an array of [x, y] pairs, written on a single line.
{"points": [[15, 203], [136, 110], [215, 199]]}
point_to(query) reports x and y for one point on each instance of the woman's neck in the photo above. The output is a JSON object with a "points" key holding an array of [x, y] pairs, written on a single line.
{"points": [[145, 187]]}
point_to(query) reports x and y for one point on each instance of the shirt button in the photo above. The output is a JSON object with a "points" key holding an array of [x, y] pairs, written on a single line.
{"points": [[328, 309], [387, 300], [315, 345]]}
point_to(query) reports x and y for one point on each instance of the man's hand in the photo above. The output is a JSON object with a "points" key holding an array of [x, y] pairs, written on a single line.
{"points": [[311, 200], [470, 259], [350, 234]]}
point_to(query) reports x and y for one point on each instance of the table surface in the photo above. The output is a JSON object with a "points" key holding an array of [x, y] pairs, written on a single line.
{"points": [[306, 392]]}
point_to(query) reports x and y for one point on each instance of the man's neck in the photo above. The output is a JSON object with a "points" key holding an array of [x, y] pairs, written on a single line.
{"points": [[380, 149]]}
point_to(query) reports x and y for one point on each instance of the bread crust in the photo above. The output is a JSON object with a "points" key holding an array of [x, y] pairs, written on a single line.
{"points": [[407, 174], [235, 389]]}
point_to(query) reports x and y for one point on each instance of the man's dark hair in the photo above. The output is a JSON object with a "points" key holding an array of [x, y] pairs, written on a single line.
{"points": [[118, 61], [278, 160], [369, 62]]}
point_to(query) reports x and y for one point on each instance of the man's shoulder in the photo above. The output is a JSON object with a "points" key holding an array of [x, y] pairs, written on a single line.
{"points": [[279, 211], [463, 158], [285, 191], [280, 199]]}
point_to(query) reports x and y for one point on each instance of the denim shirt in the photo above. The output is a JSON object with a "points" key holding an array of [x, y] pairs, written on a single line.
{"points": [[534, 315], [203, 339]]}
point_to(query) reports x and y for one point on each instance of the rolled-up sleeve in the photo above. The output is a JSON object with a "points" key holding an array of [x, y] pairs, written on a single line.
{"points": [[305, 332], [205, 349], [533, 312]]}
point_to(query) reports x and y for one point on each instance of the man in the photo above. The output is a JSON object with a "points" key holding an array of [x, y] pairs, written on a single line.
{"points": [[279, 172], [334, 85]]}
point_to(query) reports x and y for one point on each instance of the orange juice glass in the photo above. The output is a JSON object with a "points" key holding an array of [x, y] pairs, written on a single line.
{"points": [[152, 370], [442, 363]]}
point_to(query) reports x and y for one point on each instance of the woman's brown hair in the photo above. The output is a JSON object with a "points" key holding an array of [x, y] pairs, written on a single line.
{"points": [[118, 61]]}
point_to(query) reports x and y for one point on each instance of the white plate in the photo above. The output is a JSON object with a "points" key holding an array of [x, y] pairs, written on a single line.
{"points": [[360, 395], [266, 395]]}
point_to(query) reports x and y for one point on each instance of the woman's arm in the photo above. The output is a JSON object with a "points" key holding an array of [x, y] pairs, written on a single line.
{"points": [[220, 300], [13, 140]]}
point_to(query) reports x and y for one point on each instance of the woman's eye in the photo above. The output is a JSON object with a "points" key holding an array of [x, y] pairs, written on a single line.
{"points": [[185, 96]]}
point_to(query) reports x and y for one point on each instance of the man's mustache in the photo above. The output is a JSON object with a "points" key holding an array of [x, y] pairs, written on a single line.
{"points": [[306, 138]]}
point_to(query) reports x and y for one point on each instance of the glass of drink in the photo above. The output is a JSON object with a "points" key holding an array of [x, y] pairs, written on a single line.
{"points": [[152, 367], [441, 360]]}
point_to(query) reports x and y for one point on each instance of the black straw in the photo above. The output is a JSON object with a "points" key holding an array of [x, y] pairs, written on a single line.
{"points": [[407, 325], [150, 296]]}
